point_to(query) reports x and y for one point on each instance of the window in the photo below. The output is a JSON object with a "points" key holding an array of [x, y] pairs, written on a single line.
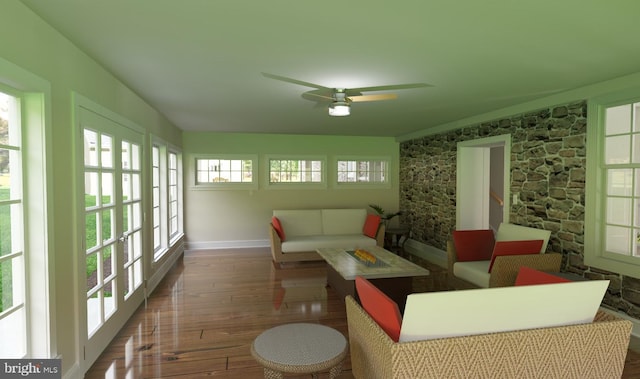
{"points": [[362, 171], [613, 242], [26, 301], [225, 171], [175, 194], [12, 273], [296, 171], [166, 164]]}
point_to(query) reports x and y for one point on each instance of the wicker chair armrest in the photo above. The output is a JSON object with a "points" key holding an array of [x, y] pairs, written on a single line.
{"points": [[452, 256], [505, 268]]}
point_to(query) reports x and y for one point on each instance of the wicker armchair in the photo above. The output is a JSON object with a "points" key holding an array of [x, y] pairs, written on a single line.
{"points": [[594, 350], [505, 268]]}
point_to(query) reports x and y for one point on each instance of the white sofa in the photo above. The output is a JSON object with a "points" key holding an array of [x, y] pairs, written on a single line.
{"points": [[306, 230], [474, 274]]}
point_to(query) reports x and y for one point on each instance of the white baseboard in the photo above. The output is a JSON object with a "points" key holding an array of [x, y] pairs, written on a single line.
{"points": [[206, 245], [428, 252], [161, 272]]}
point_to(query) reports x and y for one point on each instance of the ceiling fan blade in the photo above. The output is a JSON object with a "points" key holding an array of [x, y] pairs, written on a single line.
{"points": [[294, 81], [382, 96], [318, 95], [390, 87]]}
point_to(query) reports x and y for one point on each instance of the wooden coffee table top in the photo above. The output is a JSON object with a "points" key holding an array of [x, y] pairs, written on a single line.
{"points": [[349, 268]]}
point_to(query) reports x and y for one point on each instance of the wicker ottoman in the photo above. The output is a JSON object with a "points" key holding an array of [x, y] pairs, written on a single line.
{"points": [[300, 348]]}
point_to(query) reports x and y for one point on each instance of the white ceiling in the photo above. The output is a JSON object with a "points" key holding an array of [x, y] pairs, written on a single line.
{"points": [[199, 62]]}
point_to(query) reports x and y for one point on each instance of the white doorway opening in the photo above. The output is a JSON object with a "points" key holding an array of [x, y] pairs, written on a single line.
{"points": [[482, 182]]}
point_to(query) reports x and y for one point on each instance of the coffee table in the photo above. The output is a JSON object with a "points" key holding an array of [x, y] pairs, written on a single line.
{"points": [[301, 348], [394, 277]]}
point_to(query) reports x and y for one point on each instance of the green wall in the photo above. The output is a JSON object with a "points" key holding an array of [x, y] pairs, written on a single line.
{"points": [[240, 217], [34, 46]]}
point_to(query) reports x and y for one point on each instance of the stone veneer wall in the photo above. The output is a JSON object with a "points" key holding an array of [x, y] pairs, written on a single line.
{"points": [[548, 161]]}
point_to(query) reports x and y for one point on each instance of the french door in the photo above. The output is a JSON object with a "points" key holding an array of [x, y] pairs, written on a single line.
{"points": [[112, 259]]}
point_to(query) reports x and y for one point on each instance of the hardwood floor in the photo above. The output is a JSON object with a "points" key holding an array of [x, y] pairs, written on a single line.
{"points": [[202, 318]]}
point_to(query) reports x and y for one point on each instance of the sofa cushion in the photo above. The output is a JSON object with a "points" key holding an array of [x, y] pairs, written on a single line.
{"points": [[312, 243], [371, 225], [343, 221], [300, 222], [476, 272], [473, 245], [380, 307], [278, 227], [445, 314], [528, 276], [515, 248]]}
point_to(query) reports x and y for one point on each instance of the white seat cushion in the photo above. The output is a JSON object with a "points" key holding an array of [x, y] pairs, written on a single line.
{"points": [[311, 243], [476, 272]]}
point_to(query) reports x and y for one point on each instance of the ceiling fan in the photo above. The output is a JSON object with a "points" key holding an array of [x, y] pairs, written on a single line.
{"points": [[340, 99]]}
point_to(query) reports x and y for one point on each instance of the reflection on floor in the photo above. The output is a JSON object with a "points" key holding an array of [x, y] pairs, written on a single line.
{"points": [[202, 318]]}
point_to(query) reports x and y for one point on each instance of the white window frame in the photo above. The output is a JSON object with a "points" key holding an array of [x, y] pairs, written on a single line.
{"points": [[386, 184], [192, 169], [595, 253], [176, 234], [161, 227], [322, 184], [40, 301]]}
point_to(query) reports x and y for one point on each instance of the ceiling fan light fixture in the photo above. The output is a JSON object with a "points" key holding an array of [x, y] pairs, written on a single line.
{"points": [[339, 108]]}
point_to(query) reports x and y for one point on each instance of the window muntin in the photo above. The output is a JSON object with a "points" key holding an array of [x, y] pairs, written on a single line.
{"points": [[296, 171], [362, 171], [621, 175], [157, 200], [217, 170]]}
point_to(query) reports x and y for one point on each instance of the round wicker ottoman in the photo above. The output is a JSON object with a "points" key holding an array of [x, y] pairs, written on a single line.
{"points": [[300, 348]]}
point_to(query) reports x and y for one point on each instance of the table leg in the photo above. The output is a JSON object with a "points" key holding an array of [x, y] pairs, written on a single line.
{"points": [[272, 374]]}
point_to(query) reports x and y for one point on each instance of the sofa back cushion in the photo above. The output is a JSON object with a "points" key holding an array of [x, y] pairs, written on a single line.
{"points": [[528, 276], [343, 221], [513, 232], [371, 225], [445, 314], [515, 248], [473, 245], [380, 307], [300, 222]]}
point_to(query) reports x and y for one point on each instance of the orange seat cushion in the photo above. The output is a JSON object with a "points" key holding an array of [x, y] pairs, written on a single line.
{"points": [[380, 307]]}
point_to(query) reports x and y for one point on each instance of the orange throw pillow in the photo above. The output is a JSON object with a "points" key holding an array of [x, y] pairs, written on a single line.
{"points": [[515, 248], [528, 276], [278, 227], [380, 307], [473, 245], [371, 224]]}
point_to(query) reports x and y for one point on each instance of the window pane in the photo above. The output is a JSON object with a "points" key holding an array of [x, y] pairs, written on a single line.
{"points": [[91, 230], [107, 226], [91, 261], [126, 156], [135, 157], [109, 299], [107, 188], [619, 210], [618, 240], [12, 328], [90, 148], [106, 151], [5, 230], [618, 119], [619, 182], [91, 189], [617, 149]]}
